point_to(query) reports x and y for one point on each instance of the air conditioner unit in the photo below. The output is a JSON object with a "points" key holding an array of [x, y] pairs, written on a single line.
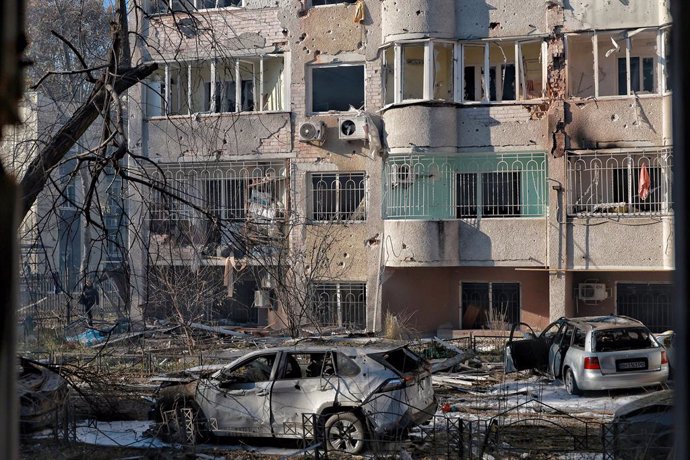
{"points": [[592, 292], [312, 131], [352, 128], [261, 298]]}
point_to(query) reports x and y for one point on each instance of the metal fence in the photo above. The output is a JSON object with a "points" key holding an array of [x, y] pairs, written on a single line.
{"points": [[625, 183]]}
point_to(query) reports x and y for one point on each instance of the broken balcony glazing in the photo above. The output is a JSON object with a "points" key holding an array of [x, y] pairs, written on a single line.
{"points": [[618, 63], [220, 86]]}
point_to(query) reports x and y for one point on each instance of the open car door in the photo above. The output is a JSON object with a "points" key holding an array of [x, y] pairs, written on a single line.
{"points": [[531, 352]]}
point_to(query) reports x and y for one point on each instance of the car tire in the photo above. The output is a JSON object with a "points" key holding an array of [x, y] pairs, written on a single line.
{"points": [[570, 383], [344, 432]]}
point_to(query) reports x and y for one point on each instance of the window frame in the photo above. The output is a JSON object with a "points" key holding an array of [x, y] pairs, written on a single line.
{"points": [[336, 3], [481, 205], [458, 71], [312, 212], [310, 84], [161, 89], [660, 75], [340, 286], [490, 293]]}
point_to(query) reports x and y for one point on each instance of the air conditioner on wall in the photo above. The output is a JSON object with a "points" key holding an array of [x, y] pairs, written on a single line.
{"points": [[352, 128], [312, 131], [592, 292]]}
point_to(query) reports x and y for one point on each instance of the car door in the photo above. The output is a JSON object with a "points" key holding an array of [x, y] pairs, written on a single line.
{"points": [[558, 349], [304, 384], [530, 352], [236, 400]]}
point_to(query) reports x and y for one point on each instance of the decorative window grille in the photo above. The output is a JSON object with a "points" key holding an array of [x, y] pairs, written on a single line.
{"points": [[338, 196], [196, 196], [340, 305], [609, 183], [461, 186]]}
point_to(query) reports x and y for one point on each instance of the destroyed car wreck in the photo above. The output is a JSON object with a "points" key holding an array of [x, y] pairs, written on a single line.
{"points": [[349, 394], [42, 392]]}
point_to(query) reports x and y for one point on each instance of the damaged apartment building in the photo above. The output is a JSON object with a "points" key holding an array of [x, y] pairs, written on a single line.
{"points": [[467, 163]]}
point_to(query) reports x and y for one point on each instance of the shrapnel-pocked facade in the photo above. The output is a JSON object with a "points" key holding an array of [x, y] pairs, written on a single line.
{"points": [[470, 163]]}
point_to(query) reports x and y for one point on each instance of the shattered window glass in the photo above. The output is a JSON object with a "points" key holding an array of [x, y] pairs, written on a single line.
{"points": [[338, 196], [339, 88]]}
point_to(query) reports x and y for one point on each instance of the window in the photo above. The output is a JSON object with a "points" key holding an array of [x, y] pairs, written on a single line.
{"points": [[413, 71], [213, 87], [330, 2], [499, 194], [617, 63], [256, 370], [579, 339], [502, 71], [167, 6], [338, 196], [629, 338], [490, 305], [631, 183], [337, 88], [340, 305], [651, 303]]}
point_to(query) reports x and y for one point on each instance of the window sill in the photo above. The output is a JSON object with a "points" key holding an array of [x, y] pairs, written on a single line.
{"points": [[441, 102], [455, 219], [336, 222], [617, 97], [214, 115]]}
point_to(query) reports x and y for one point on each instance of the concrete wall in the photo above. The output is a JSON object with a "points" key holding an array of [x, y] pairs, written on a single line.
{"points": [[410, 19], [500, 18], [217, 137], [430, 297], [599, 243], [587, 15], [617, 122]]}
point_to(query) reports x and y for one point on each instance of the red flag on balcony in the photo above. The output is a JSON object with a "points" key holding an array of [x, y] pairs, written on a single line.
{"points": [[644, 183]]}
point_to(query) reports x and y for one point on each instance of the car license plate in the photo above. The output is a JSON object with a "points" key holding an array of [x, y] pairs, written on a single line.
{"points": [[623, 365]]}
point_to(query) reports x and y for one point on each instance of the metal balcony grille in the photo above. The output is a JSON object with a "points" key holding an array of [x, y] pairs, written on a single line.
{"points": [[464, 186], [231, 192], [625, 183], [340, 305]]}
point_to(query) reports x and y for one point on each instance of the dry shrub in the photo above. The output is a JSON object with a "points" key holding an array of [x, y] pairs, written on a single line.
{"points": [[397, 327]]}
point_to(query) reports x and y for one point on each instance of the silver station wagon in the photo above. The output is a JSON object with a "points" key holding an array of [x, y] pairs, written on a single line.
{"points": [[592, 353], [352, 394]]}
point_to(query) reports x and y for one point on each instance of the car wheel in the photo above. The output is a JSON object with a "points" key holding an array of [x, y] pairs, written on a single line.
{"points": [[571, 384], [345, 433]]}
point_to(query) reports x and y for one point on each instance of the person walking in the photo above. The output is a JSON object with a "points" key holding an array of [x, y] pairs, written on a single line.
{"points": [[89, 298]]}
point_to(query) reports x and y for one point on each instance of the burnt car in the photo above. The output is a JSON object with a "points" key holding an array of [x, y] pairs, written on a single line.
{"points": [[347, 394], [592, 353]]}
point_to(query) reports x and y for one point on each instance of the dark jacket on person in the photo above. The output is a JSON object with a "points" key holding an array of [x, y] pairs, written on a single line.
{"points": [[89, 297]]}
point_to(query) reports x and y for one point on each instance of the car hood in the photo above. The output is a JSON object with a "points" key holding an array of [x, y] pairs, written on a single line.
{"points": [[659, 401]]}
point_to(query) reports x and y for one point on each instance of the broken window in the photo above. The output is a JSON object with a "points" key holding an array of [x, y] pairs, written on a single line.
{"points": [[491, 71], [620, 183], [212, 87], [490, 305], [256, 370], [338, 196], [389, 75], [498, 192], [443, 71], [307, 365], [167, 6], [419, 71], [614, 63], [330, 2], [413, 71], [337, 88], [340, 305]]}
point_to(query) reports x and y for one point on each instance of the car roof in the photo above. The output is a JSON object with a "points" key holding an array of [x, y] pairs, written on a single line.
{"points": [[605, 322]]}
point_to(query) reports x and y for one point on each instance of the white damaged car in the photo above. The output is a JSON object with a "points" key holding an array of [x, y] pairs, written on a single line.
{"points": [[350, 394]]}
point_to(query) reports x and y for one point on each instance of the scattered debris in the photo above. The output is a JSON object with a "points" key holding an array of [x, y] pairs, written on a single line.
{"points": [[42, 392]]}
